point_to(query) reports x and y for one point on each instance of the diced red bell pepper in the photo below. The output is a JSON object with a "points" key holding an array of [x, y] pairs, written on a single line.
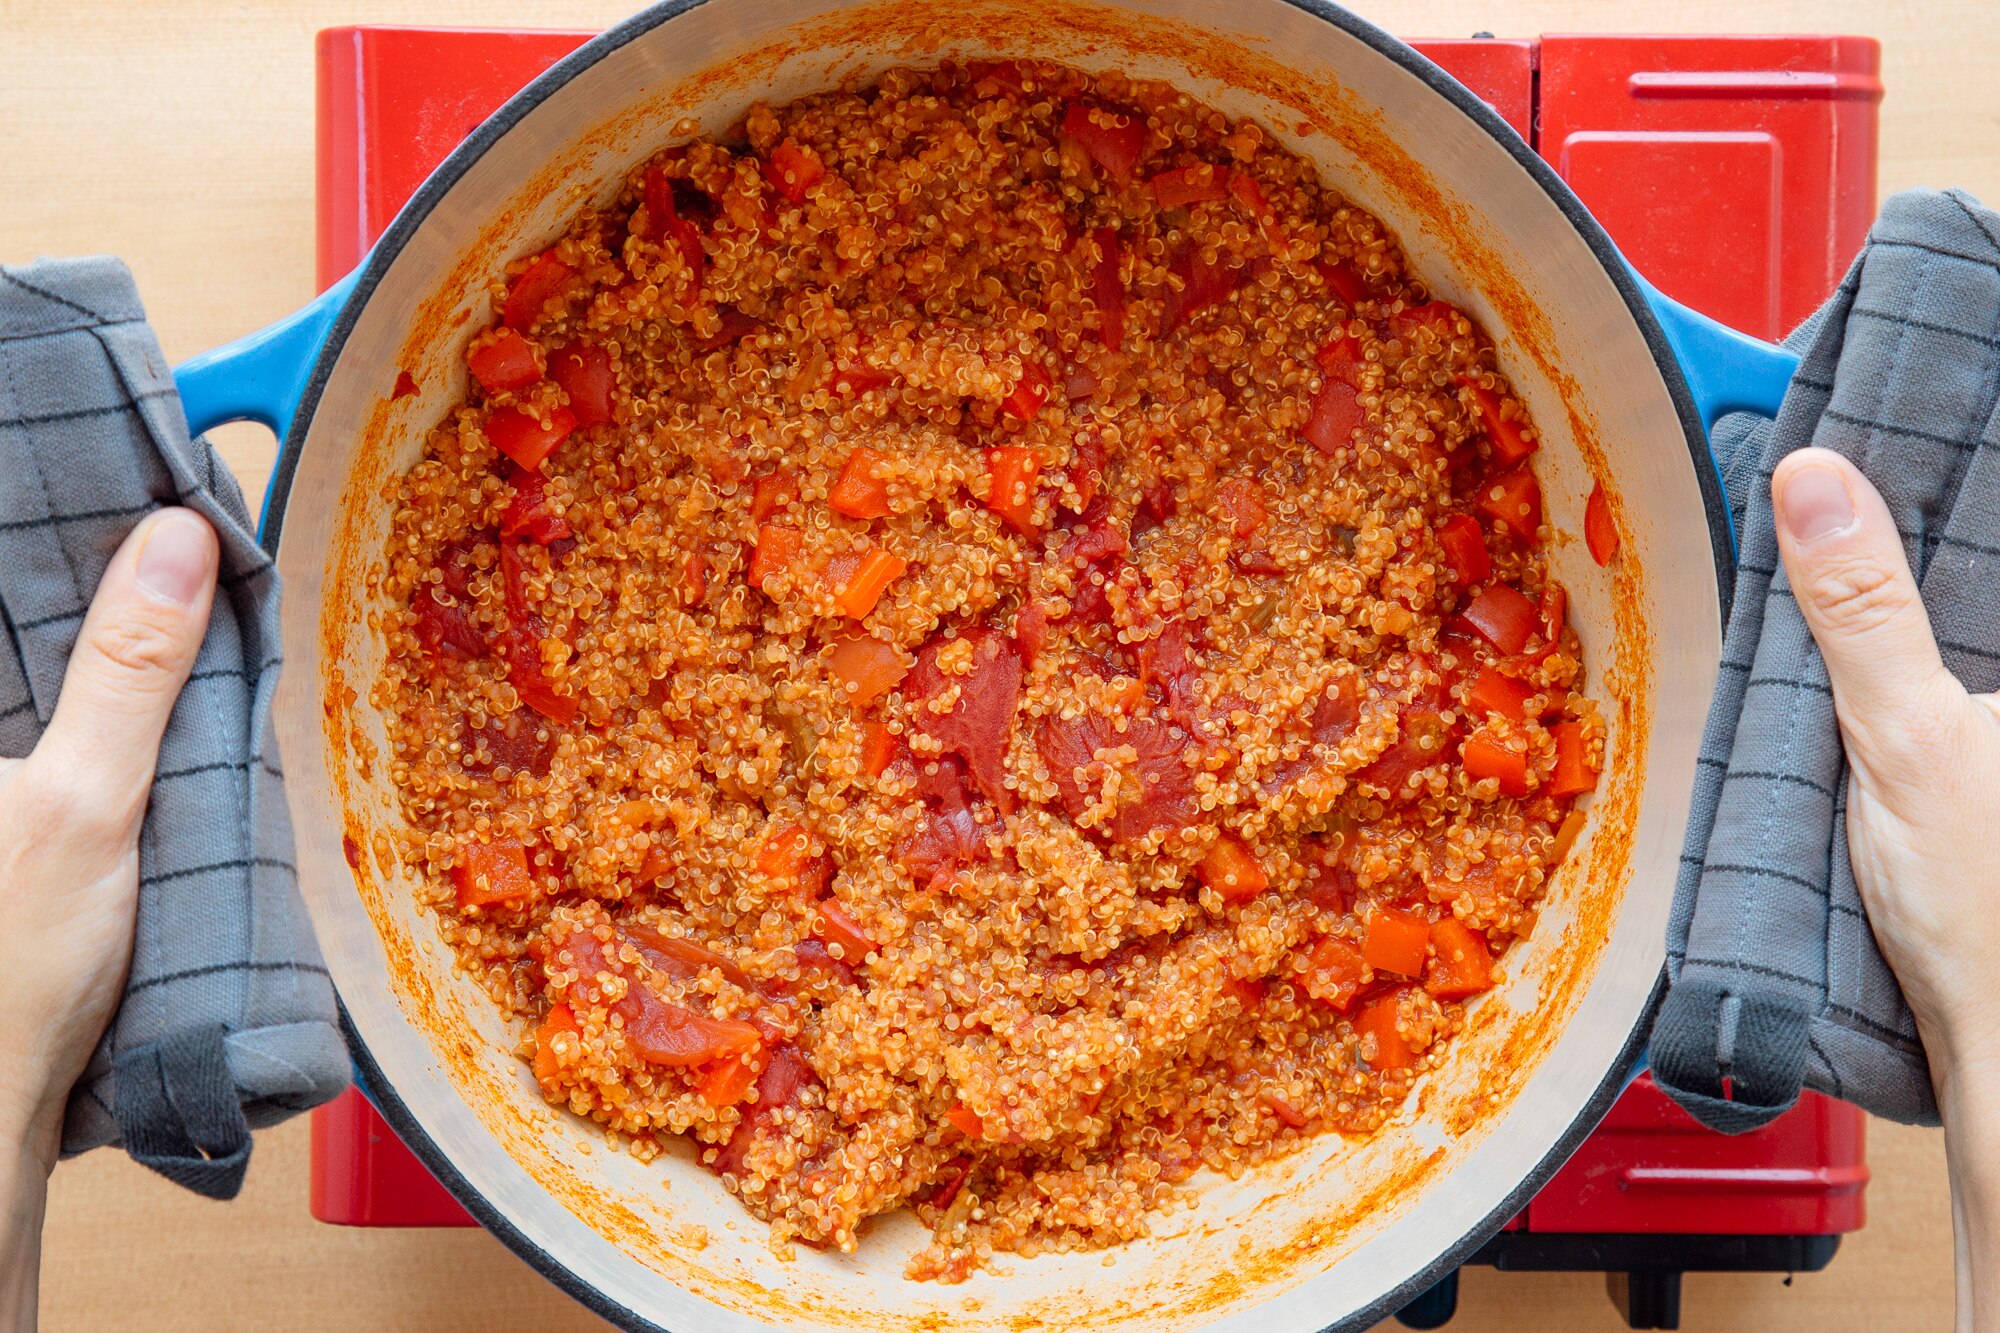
{"points": [[1506, 436], [528, 513], [1567, 833], [1107, 289], [1396, 941], [794, 170], [1232, 871], [878, 749], [1485, 757], [858, 493], [867, 668], [728, 1081], [1243, 186], [1181, 186], [1114, 138], [1573, 775], [772, 491], [524, 438], [584, 372], [1283, 1109], [493, 872], [1029, 392], [965, 1120], [838, 929], [504, 361], [532, 291], [1012, 471], [1332, 972], [1461, 962], [1203, 283], [1555, 606], [1465, 550], [870, 579], [559, 1021], [851, 381], [786, 855], [1600, 534], [669, 227], [1336, 413], [1515, 499], [1341, 358], [1378, 1020], [1494, 692], [1439, 315], [1242, 502], [1504, 617], [778, 548]]}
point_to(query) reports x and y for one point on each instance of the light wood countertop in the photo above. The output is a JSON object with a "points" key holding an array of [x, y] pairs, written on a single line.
{"points": [[180, 137]]}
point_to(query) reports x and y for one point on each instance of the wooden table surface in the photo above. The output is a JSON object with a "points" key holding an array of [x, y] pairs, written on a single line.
{"points": [[180, 137]]}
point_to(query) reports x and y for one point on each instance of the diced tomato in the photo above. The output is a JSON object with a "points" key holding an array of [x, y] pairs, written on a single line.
{"points": [[532, 291], [732, 326], [584, 371], [871, 578], [1336, 413], [772, 491], [778, 548], [1573, 775], [851, 381], [1003, 76], [1013, 471], [1232, 871], [1107, 289], [1504, 616], [492, 872], [1243, 186], [1114, 138], [679, 1037], [694, 578], [1515, 499], [1461, 962], [727, 1082], [444, 627], [1566, 835], [559, 1021], [786, 855], [528, 513], [1241, 500], [838, 928], [1465, 550], [1395, 941], [980, 724], [504, 361], [779, 1086], [670, 228], [1378, 1020], [965, 1120], [1079, 384], [679, 957], [1182, 186], [538, 693], [1203, 283], [1166, 794], [1494, 692], [1485, 757], [513, 741], [1506, 436], [1439, 315], [1341, 358], [1332, 972], [858, 493], [794, 170], [1029, 392], [950, 1179], [1346, 282], [1421, 745], [878, 749], [1599, 532], [1031, 628], [867, 668], [1086, 467], [948, 836], [1164, 661], [525, 439], [1246, 991]]}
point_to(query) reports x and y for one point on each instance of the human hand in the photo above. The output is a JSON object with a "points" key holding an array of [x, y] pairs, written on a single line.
{"points": [[69, 822], [1923, 817]]}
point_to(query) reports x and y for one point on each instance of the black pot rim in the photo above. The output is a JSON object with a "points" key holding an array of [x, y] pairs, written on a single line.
{"points": [[412, 217]]}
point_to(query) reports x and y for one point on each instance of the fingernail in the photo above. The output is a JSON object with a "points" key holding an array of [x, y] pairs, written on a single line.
{"points": [[175, 559], [1816, 504]]}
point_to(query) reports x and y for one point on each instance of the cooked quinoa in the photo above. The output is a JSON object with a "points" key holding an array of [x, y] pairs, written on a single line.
{"points": [[981, 645]]}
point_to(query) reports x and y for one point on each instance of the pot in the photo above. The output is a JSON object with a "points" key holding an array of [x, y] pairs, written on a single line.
{"points": [[1622, 382]]}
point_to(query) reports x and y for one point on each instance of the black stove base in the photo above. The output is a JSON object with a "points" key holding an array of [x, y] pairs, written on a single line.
{"points": [[1642, 1273]]}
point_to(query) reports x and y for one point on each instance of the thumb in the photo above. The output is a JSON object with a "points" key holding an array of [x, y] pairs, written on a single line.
{"points": [[1845, 562], [132, 657]]}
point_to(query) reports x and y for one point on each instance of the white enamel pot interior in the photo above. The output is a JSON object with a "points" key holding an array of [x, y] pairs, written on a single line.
{"points": [[1337, 1234]]}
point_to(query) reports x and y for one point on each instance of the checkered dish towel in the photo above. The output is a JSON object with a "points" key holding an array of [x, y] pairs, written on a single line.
{"points": [[1776, 980], [228, 1019]]}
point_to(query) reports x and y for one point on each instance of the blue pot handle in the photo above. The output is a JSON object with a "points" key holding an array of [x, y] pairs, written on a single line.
{"points": [[1726, 371], [261, 376]]}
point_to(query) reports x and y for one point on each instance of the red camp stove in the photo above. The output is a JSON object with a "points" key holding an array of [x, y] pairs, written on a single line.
{"points": [[1738, 173]]}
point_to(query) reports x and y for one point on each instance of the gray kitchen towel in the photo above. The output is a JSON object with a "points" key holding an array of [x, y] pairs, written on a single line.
{"points": [[228, 1019], [1777, 983]]}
